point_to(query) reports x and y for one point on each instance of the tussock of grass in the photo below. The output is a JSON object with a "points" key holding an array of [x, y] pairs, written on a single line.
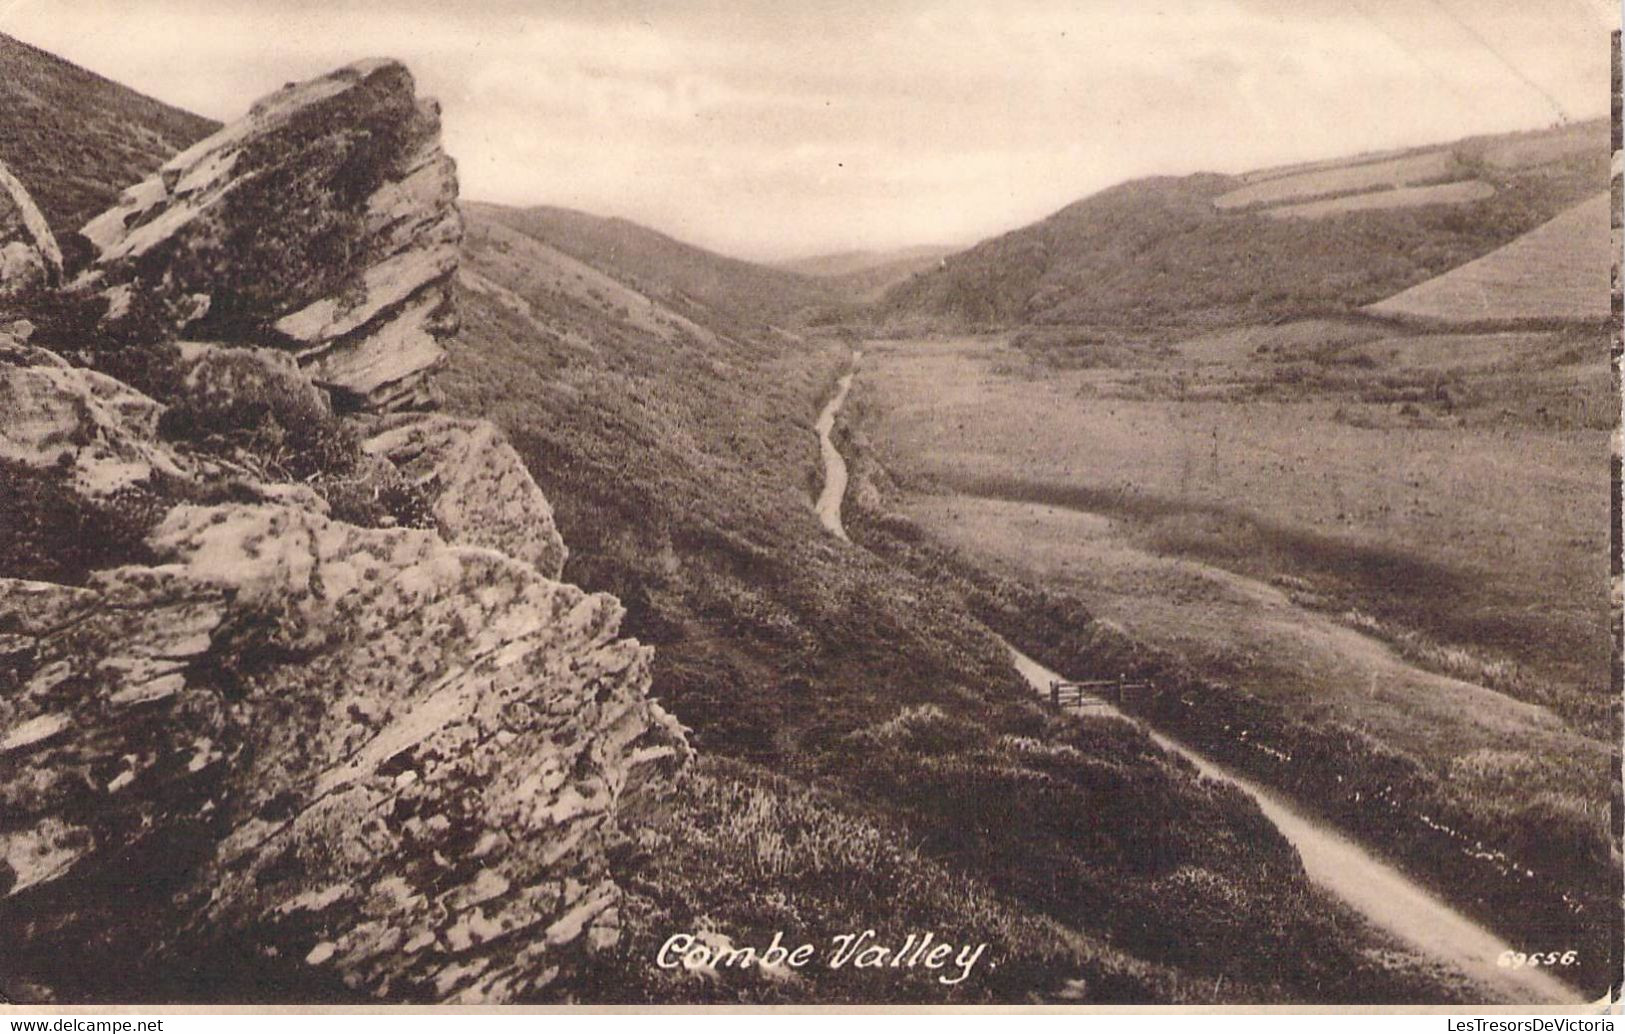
{"points": [[50, 532]]}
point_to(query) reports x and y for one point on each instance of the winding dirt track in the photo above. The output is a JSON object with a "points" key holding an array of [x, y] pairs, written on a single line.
{"points": [[829, 500], [1378, 891]]}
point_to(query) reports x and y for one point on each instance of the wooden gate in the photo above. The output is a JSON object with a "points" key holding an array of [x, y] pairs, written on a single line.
{"points": [[1096, 693]]}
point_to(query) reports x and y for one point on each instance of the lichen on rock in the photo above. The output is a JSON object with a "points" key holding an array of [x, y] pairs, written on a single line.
{"points": [[481, 493], [356, 282], [273, 721]]}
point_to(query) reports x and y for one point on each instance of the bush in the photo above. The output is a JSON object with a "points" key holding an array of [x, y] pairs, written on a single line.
{"points": [[375, 494], [256, 402], [139, 351]]}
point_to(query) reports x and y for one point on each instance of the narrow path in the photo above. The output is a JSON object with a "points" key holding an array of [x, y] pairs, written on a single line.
{"points": [[834, 492], [1376, 890], [1370, 886]]}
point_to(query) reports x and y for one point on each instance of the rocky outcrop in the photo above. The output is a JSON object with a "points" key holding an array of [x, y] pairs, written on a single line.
{"points": [[30, 260], [318, 719], [324, 222], [394, 754]]}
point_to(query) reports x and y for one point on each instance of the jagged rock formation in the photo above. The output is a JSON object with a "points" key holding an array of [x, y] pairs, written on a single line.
{"points": [[323, 222], [348, 724], [29, 257]]}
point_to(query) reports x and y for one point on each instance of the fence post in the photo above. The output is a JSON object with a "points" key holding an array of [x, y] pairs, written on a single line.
{"points": [[1055, 692]]}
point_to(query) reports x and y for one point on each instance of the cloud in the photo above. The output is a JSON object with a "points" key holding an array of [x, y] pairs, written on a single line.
{"points": [[768, 128]]}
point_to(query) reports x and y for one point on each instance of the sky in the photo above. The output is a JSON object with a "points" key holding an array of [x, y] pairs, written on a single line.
{"points": [[770, 129]]}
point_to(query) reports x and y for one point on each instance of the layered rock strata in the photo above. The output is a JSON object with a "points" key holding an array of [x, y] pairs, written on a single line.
{"points": [[323, 222], [290, 741]]}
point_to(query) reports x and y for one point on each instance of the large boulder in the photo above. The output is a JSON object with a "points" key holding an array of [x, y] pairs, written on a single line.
{"points": [[323, 222], [99, 431]]}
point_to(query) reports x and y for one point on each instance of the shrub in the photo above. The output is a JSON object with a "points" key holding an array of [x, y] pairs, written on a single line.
{"points": [[375, 494], [253, 401]]}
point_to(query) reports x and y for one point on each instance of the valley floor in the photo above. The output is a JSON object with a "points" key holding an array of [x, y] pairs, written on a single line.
{"points": [[1425, 567]]}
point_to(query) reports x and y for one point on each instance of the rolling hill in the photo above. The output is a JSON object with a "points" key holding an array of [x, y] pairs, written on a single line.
{"points": [[846, 263], [684, 276], [865, 276], [76, 139], [1324, 238]]}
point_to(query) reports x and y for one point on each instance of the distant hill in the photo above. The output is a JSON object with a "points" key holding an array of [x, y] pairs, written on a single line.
{"points": [[847, 263], [864, 276], [1557, 271], [677, 273], [75, 139], [1313, 239]]}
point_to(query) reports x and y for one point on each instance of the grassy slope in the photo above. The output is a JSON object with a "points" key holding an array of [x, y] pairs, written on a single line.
{"points": [[846, 263], [1256, 452], [683, 276], [887, 768], [1558, 270], [75, 139], [865, 276], [1157, 251]]}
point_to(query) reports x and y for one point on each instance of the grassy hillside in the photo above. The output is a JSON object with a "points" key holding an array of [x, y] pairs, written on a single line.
{"points": [[684, 277], [1557, 271], [76, 139], [1206, 248], [870, 755]]}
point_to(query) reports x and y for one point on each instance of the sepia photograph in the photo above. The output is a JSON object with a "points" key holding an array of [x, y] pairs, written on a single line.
{"points": [[1077, 504]]}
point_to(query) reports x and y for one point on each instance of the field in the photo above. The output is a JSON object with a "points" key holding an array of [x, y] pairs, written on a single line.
{"points": [[1400, 197], [1400, 536], [1558, 270], [1343, 179], [1524, 150]]}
